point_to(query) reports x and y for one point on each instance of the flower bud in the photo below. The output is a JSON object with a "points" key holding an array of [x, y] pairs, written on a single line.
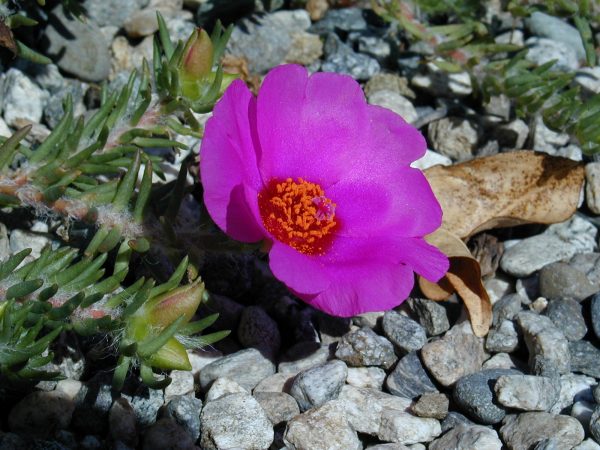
{"points": [[165, 309], [198, 54]]}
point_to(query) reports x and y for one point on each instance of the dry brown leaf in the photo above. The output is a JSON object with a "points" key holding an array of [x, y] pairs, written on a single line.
{"points": [[7, 39], [464, 278], [505, 190]]}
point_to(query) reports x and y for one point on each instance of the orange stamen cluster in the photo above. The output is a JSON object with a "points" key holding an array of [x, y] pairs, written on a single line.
{"points": [[298, 214]]}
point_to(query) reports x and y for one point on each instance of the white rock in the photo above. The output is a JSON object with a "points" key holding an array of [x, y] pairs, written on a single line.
{"points": [[454, 137], [468, 437], [559, 241], [592, 186], [364, 406], [405, 428], [430, 159], [439, 82], [574, 388], [542, 50], [582, 411], [395, 102], [200, 358], [546, 140], [21, 98], [182, 383], [589, 80], [223, 386], [526, 392], [499, 361], [510, 37], [278, 382], [588, 444], [366, 377]]}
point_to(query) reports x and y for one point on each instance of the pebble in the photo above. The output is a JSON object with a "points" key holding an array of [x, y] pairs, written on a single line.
{"points": [[560, 241], [560, 280], [547, 140], [363, 407], [41, 413], [278, 382], [366, 377], [54, 110], [323, 428], [588, 78], [345, 19], [166, 433], [388, 82], [306, 49], [4, 130], [454, 137], [432, 315], [111, 12], [525, 430], [428, 160], [235, 420], [588, 263], [526, 392], [433, 404], [502, 338], [543, 50], [72, 41], [374, 46], [145, 402], [566, 315], [122, 422], [305, 355], [279, 406], [474, 395], [405, 428], [340, 58], [403, 332], [512, 135], [592, 186], [409, 379], [363, 347], [453, 356], [394, 102], [595, 309], [468, 437], [389, 447], [551, 27], [584, 358], [223, 386], [588, 444], [595, 423], [185, 410], [20, 98], [318, 385], [439, 83], [258, 330], [455, 419], [506, 308], [182, 383], [245, 367], [500, 361], [582, 411], [544, 339], [266, 40], [573, 388]]}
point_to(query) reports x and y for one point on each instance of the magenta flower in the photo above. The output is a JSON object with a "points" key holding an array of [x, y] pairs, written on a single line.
{"points": [[325, 179]]}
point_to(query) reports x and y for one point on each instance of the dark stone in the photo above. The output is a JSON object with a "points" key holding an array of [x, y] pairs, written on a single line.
{"points": [[403, 332], [585, 358], [185, 410], [432, 315], [409, 379], [566, 314]]}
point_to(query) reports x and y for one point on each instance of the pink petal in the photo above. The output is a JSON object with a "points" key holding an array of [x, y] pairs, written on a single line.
{"points": [[228, 156], [362, 288], [399, 203]]}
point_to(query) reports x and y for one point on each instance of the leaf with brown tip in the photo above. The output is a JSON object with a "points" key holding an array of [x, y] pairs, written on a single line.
{"points": [[505, 190]]}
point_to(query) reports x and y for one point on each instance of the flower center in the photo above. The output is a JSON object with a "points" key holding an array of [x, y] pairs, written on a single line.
{"points": [[298, 214]]}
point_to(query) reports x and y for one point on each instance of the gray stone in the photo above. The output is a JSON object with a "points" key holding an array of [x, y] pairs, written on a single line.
{"points": [[542, 50], [340, 58], [323, 428], [585, 358], [551, 27], [235, 420], [588, 78], [468, 437], [364, 406], [258, 330], [394, 102], [305, 355], [512, 135], [279, 406], [54, 110], [41, 413], [93, 403], [20, 98], [365, 348], [587, 444], [592, 186], [526, 392], [278, 382], [502, 338], [559, 241], [185, 410], [405, 428], [166, 433], [500, 361], [453, 137], [506, 308], [453, 356], [474, 394], [433, 404], [145, 403], [595, 309], [596, 394], [403, 332], [388, 82], [560, 280], [122, 423], [438, 82], [306, 49], [388, 447], [111, 12], [583, 411], [566, 315], [524, 430], [375, 47], [547, 140], [454, 419], [246, 367], [573, 388], [182, 383], [346, 19], [366, 377], [70, 44], [432, 316], [595, 423], [266, 40], [409, 379], [544, 339], [498, 106], [223, 386], [318, 385]]}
